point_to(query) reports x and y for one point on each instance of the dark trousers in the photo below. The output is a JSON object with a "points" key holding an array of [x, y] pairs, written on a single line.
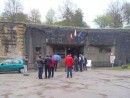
{"points": [[81, 66], [55, 67], [52, 71], [69, 72], [76, 67], [47, 71], [40, 71], [84, 66]]}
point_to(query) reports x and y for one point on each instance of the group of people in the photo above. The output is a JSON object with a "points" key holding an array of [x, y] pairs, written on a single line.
{"points": [[50, 65], [78, 63]]}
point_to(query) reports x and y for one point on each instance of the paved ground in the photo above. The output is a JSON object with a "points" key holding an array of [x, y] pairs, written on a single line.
{"points": [[95, 83]]}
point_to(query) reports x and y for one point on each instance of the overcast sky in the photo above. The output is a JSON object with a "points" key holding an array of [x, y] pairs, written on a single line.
{"points": [[90, 8]]}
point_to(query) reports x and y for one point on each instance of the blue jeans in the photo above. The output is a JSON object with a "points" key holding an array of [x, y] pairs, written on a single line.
{"points": [[40, 71], [69, 72]]}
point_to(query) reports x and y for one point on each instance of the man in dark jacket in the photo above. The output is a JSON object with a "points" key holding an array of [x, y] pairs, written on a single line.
{"points": [[40, 64], [47, 62], [76, 63]]}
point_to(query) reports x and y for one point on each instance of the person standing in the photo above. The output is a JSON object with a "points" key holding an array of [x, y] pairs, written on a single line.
{"points": [[52, 66], [25, 61], [80, 62], [47, 62], [40, 65], [55, 65], [69, 64], [85, 63], [75, 63]]}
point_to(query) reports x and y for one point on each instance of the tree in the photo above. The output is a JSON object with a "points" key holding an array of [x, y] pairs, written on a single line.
{"points": [[126, 12], [35, 16], [50, 17], [115, 12], [103, 21], [67, 13], [77, 18], [21, 17], [12, 7], [71, 16]]}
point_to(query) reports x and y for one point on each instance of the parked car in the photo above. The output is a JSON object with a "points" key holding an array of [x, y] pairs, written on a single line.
{"points": [[12, 65]]}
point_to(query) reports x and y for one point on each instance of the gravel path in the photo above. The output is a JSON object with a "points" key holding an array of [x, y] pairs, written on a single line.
{"points": [[95, 83]]}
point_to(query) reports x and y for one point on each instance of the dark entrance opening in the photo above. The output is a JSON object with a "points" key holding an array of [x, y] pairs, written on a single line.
{"points": [[64, 50], [75, 50]]}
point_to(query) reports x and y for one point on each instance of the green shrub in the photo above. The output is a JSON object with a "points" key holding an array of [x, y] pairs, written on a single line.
{"points": [[124, 66]]}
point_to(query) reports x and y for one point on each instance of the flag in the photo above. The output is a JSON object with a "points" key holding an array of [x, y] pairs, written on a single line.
{"points": [[75, 33], [80, 36], [71, 38]]}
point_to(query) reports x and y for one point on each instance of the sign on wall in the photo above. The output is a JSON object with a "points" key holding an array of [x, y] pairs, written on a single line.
{"points": [[112, 59]]}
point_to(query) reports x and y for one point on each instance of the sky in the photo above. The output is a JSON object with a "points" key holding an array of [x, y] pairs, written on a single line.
{"points": [[90, 8]]}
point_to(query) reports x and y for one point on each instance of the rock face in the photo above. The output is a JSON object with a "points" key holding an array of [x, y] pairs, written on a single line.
{"points": [[17, 39]]}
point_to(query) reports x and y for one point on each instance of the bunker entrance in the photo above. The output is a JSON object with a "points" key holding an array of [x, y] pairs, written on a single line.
{"points": [[64, 50]]}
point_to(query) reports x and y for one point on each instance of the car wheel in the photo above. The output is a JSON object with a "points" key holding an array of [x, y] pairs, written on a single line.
{"points": [[21, 70]]}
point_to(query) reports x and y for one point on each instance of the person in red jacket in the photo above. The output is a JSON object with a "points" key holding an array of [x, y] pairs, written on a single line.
{"points": [[52, 66], [69, 64]]}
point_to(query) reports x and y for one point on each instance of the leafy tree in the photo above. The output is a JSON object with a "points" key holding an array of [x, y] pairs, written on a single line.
{"points": [[115, 12], [126, 12], [71, 16], [77, 18], [103, 21], [12, 7], [19, 17], [50, 17], [35, 16], [67, 13]]}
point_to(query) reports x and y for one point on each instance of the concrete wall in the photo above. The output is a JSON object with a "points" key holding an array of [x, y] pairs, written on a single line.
{"points": [[17, 39], [99, 58], [11, 40]]}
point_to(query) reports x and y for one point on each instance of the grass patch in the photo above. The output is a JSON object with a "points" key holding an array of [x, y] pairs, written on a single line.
{"points": [[123, 67], [128, 66]]}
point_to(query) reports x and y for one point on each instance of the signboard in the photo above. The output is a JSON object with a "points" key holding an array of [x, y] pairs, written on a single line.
{"points": [[112, 59]]}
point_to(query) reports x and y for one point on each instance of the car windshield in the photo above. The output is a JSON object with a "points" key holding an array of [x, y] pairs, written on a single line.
{"points": [[4, 59], [9, 61], [16, 62]]}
